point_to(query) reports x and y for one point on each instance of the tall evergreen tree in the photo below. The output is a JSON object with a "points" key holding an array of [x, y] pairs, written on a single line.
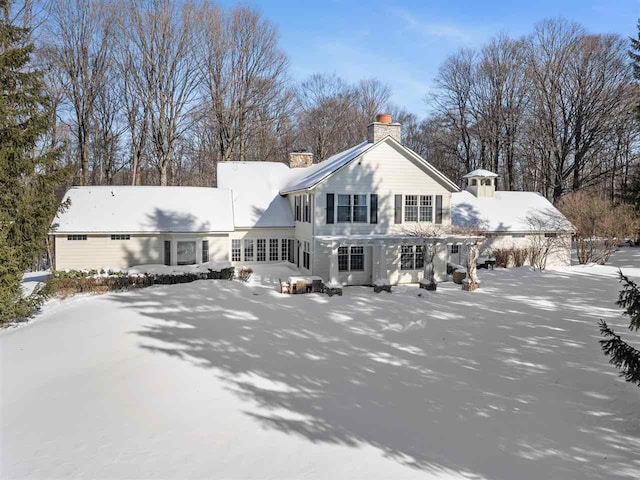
{"points": [[621, 354], [28, 177]]}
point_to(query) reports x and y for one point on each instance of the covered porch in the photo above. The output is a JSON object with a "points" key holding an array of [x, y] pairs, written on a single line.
{"points": [[388, 259]]}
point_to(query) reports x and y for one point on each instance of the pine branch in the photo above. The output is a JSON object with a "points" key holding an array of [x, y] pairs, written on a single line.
{"points": [[629, 299], [621, 354]]}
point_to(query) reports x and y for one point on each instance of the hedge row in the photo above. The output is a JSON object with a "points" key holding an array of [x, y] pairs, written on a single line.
{"points": [[69, 284]]}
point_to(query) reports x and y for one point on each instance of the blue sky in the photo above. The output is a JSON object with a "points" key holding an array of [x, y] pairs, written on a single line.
{"points": [[403, 42]]}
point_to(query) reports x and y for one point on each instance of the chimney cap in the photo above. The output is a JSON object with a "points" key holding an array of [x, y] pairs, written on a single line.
{"points": [[383, 118]]}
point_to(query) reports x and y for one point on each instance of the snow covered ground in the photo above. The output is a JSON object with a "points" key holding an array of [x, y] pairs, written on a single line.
{"points": [[219, 379], [31, 280]]}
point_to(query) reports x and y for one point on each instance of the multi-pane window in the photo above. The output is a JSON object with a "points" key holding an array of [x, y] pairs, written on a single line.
{"points": [[76, 237], [343, 259], [273, 249], [412, 257], [550, 235], [426, 208], [455, 249], [411, 208], [351, 259], [284, 245], [356, 261], [419, 257], [306, 255], [344, 208], [261, 250], [205, 250], [119, 236], [517, 235], [407, 257], [352, 208], [248, 250], [360, 209], [236, 253]]}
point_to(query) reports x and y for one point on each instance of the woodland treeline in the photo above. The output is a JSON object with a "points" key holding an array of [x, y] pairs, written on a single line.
{"points": [[160, 91]]}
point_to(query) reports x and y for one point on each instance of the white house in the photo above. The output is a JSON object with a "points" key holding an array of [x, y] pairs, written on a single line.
{"points": [[351, 219]]}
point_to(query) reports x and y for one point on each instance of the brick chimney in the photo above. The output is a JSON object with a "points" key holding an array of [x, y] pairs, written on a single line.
{"points": [[383, 127], [300, 159]]}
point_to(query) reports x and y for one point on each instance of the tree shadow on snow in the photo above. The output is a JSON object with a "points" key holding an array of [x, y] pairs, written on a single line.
{"points": [[503, 383]]}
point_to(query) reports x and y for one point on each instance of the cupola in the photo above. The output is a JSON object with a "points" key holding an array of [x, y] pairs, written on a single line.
{"points": [[482, 183]]}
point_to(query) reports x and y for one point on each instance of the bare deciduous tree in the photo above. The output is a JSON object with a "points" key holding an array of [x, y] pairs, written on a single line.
{"points": [[600, 224], [244, 76], [80, 35], [159, 36]]}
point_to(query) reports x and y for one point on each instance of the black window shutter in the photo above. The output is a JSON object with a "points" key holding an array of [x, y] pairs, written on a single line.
{"points": [[438, 208], [373, 217], [398, 209], [330, 199]]}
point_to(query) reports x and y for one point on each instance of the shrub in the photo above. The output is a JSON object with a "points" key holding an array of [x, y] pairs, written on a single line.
{"points": [[245, 274], [519, 256], [502, 256], [68, 283], [600, 224]]}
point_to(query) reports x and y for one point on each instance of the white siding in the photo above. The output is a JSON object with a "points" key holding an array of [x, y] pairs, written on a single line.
{"points": [[386, 172], [99, 251]]}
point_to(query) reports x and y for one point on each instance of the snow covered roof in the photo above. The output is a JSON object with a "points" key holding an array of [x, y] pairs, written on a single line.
{"points": [[309, 176], [507, 212], [256, 193], [480, 172], [146, 209]]}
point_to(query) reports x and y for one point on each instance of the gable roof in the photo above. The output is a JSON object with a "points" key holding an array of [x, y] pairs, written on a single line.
{"points": [[507, 212], [309, 177], [142, 209], [256, 193], [480, 172]]}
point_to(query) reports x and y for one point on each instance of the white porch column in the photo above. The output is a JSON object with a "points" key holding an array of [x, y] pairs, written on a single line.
{"points": [[428, 261], [382, 255], [440, 262], [333, 265]]}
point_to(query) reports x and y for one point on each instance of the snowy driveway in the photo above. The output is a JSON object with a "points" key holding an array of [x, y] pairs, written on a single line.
{"points": [[218, 379]]}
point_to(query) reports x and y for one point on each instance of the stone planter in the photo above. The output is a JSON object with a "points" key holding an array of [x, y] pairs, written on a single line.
{"points": [[458, 276]]}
